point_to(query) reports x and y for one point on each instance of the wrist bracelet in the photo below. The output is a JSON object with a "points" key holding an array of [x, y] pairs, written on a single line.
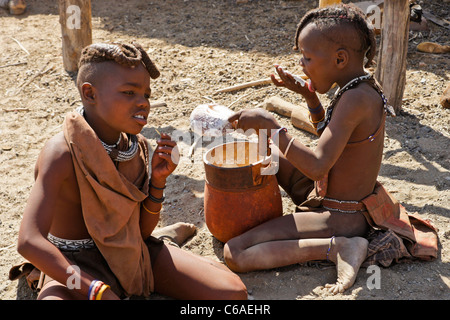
{"points": [[149, 211], [316, 122], [154, 199], [277, 132], [100, 292], [91, 287], [288, 147], [94, 289], [316, 110], [157, 188]]}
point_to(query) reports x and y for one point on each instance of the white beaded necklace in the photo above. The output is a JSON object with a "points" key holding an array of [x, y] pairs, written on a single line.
{"points": [[349, 85], [113, 152]]}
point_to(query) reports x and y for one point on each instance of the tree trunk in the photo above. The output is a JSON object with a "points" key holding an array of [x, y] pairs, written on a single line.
{"points": [[391, 65], [76, 27]]}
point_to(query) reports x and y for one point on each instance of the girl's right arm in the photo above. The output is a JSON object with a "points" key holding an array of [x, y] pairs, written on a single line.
{"points": [[54, 166], [315, 108]]}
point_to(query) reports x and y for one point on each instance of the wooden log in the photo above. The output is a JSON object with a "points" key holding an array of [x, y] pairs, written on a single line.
{"points": [[324, 3], [391, 65], [279, 106], [76, 28], [300, 120], [298, 114]]}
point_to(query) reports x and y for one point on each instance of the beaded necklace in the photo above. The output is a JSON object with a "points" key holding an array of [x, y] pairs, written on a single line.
{"points": [[351, 84], [113, 152]]}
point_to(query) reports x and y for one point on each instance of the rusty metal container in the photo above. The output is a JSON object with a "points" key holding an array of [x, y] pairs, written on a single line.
{"points": [[238, 196]]}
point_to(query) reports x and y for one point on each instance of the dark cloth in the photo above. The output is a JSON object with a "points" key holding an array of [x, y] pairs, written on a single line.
{"points": [[395, 234], [89, 260]]}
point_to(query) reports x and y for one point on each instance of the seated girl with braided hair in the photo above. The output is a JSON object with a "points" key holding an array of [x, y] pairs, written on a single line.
{"points": [[335, 189], [98, 194]]}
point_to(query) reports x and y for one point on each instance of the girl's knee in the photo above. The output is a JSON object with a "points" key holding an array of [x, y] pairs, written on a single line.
{"points": [[236, 257], [230, 254], [237, 289], [56, 291]]}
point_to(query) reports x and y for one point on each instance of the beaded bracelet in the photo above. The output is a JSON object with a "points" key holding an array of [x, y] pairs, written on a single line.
{"points": [[149, 211], [96, 290], [154, 199], [100, 292], [94, 287], [316, 110], [157, 188], [316, 122]]}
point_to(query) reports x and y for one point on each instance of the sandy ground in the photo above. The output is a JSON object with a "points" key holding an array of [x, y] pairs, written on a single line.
{"points": [[201, 46]]}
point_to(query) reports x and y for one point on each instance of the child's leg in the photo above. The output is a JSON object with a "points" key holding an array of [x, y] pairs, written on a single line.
{"points": [[295, 183], [182, 275], [277, 243], [297, 226], [299, 238], [53, 290]]}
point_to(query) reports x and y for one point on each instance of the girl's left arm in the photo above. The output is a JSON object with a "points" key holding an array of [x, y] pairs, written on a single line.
{"points": [[164, 162]]}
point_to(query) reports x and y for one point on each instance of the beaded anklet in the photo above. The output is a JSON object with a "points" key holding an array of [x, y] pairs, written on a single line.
{"points": [[329, 247]]}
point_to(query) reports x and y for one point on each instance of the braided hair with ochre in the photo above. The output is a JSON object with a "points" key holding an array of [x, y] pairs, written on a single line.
{"points": [[343, 15], [129, 55]]}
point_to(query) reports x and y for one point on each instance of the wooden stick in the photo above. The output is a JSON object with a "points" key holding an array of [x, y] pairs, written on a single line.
{"points": [[16, 109], [209, 98], [244, 96], [245, 85], [8, 247], [440, 22], [192, 148], [13, 64], [42, 72], [21, 46], [157, 104], [250, 84]]}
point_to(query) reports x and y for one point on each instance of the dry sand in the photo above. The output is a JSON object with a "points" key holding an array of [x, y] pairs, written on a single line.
{"points": [[202, 46]]}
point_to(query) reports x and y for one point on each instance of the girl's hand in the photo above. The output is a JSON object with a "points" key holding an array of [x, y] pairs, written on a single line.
{"points": [[288, 81], [165, 158], [255, 119]]}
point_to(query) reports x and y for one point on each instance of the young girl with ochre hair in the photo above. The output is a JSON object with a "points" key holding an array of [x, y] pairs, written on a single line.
{"points": [[331, 185], [89, 222]]}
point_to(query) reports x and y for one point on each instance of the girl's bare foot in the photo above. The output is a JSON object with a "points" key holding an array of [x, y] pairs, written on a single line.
{"points": [[177, 233], [348, 254]]}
